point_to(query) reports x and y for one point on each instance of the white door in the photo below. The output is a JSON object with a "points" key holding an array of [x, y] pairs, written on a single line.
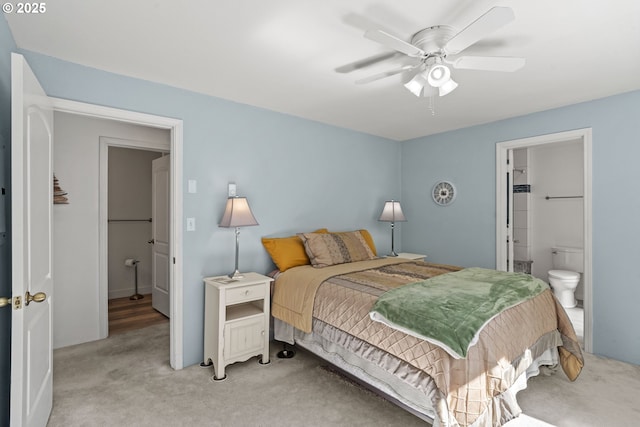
{"points": [[31, 212], [160, 237]]}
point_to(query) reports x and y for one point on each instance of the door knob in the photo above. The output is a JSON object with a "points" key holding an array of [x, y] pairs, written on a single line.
{"points": [[152, 241], [37, 297], [5, 301]]}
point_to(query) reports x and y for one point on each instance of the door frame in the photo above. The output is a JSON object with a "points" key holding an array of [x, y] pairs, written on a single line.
{"points": [[502, 149], [175, 127]]}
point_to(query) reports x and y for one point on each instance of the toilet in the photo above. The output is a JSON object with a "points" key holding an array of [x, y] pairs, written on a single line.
{"points": [[567, 265]]}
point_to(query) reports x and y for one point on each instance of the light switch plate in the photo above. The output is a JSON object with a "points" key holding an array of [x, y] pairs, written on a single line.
{"points": [[191, 224], [232, 189], [192, 186]]}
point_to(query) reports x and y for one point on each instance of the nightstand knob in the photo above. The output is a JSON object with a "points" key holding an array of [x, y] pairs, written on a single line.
{"points": [[246, 292]]}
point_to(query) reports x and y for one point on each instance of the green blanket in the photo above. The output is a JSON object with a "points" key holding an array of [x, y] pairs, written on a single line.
{"points": [[450, 310]]}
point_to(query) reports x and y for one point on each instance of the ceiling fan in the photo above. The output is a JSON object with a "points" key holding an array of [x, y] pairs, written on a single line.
{"points": [[434, 48]]}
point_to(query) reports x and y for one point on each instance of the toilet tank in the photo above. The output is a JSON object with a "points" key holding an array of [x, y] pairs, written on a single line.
{"points": [[567, 258]]}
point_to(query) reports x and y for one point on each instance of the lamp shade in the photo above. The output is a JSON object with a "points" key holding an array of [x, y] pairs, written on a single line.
{"points": [[417, 83], [438, 75], [237, 213], [392, 212], [447, 88]]}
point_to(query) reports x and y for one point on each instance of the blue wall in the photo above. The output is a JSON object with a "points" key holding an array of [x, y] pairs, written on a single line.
{"points": [[464, 232], [297, 174], [7, 45]]}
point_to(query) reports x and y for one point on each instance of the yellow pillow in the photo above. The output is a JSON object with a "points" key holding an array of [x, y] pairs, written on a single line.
{"points": [[287, 252]]}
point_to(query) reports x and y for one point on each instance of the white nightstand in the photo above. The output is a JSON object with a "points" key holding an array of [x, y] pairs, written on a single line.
{"points": [[411, 256], [236, 320]]}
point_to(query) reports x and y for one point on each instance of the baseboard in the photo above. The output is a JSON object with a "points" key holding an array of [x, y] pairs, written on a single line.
{"points": [[121, 293]]}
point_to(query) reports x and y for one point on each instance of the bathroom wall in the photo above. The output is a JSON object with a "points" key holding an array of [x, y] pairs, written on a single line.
{"points": [[556, 170], [129, 198]]}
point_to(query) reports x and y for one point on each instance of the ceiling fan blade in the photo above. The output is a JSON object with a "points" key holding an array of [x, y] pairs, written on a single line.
{"points": [[488, 63], [493, 19], [393, 42], [363, 63], [385, 74]]}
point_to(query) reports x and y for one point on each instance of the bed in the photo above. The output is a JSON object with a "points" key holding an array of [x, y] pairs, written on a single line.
{"points": [[325, 306]]}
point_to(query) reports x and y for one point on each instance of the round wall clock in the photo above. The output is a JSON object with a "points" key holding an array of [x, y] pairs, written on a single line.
{"points": [[443, 193]]}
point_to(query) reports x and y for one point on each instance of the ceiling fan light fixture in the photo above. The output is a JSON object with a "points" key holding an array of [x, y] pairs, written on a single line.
{"points": [[433, 44], [439, 74], [448, 87], [417, 83]]}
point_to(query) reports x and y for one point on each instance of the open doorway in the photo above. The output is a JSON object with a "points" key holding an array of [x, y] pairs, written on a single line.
{"points": [[517, 249], [138, 295], [91, 244]]}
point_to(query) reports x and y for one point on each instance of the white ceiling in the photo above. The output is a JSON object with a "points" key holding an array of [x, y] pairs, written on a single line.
{"points": [[284, 55]]}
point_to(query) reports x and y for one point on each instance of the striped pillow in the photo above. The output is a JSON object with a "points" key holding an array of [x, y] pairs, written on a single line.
{"points": [[336, 248], [287, 252]]}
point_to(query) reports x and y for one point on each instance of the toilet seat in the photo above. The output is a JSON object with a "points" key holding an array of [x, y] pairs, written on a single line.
{"points": [[564, 274]]}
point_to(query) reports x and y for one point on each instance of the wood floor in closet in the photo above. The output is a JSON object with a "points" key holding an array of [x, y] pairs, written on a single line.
{"points": [[126, 314]]}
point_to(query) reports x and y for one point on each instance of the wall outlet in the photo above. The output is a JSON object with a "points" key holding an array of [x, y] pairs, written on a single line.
{"points": [[232, 189], [191, 224]]}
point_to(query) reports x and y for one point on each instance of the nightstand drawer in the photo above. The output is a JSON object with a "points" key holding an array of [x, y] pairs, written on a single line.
{"points": [[246, 293]]}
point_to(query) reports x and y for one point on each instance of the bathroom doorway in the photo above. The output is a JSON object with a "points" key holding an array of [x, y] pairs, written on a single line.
{"points": [[130, 236], [544, 200]]}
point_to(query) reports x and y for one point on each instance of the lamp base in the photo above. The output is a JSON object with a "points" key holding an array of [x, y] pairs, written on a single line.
{"points": [[236, 275], [393, 254]]}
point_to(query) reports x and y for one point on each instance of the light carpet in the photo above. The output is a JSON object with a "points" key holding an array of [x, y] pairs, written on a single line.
{"points": [[126, 380]]}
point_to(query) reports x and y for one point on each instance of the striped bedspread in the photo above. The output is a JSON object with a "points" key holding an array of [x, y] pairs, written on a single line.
{"points": [[468, 389]]}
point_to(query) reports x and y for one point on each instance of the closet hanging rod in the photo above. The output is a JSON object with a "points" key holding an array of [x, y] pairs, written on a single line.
{"points": [[131, 220], [563, 197]]}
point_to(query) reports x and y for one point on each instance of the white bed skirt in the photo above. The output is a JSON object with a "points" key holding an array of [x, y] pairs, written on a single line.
{"points": [[384, 382]]}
